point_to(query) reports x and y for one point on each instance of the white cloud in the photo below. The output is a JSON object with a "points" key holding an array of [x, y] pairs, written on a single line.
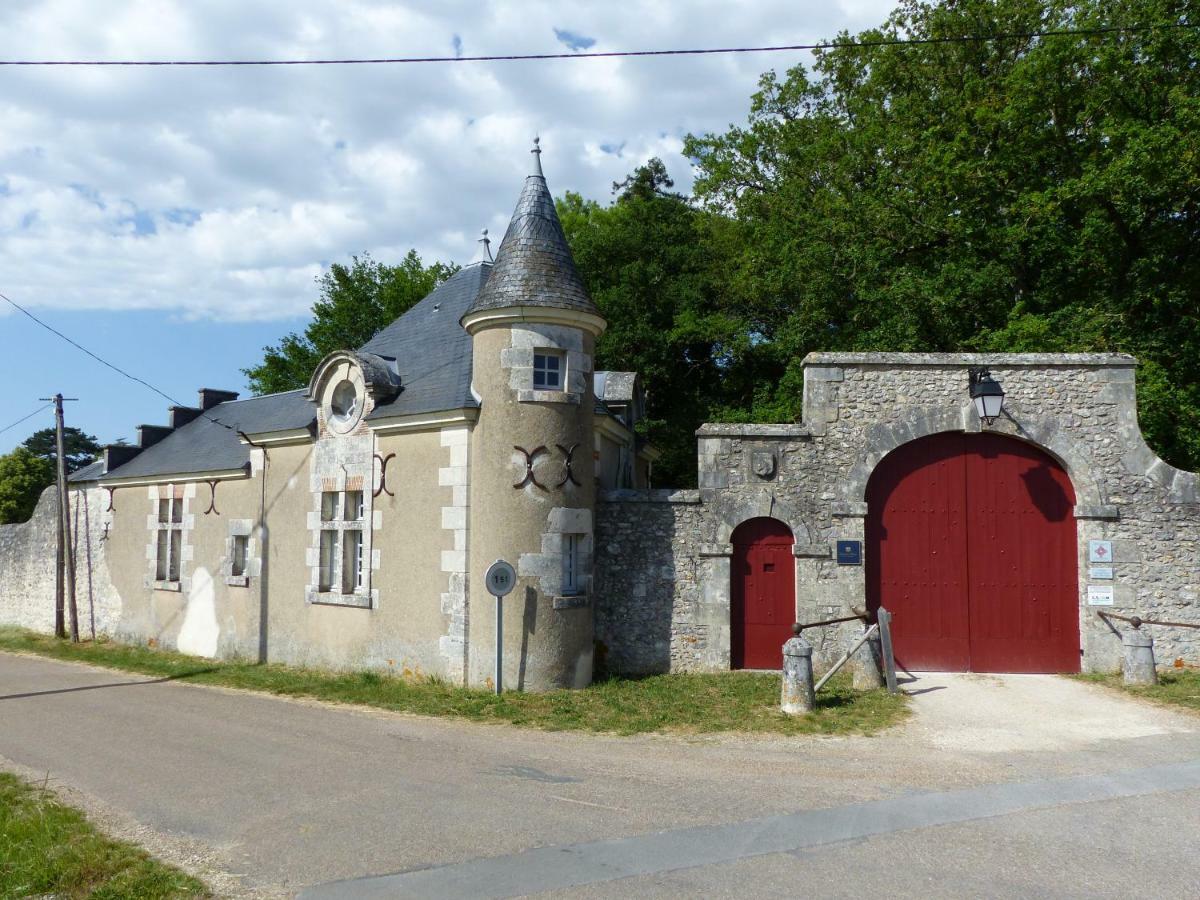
{"points": [[219, 192]]}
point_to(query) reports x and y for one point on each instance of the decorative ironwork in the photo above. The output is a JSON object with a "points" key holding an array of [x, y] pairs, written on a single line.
{"points": [[383, 488], [111, 508], [568, 475], [530, 456], [212, 498]]}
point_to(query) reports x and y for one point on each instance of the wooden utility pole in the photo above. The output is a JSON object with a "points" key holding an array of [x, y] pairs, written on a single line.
{"points": [[64, 581]]}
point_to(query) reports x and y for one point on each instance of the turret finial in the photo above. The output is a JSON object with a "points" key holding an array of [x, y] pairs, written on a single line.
{"points": [[537, 156], [485, 251]]}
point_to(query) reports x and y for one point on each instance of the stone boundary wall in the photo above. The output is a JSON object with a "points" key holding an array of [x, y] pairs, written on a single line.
{"points": [[27, 553], [663, 558], [650, 612]]}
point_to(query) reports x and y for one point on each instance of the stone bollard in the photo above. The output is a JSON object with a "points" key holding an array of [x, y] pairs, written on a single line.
{"points": [[798, 696], [1139, 658], [868, 665]]}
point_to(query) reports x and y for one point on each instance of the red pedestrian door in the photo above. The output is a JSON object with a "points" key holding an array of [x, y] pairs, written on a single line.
{"points": [[971, 544], [763, 607]]}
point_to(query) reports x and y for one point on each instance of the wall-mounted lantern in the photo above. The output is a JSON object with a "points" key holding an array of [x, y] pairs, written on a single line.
{"points": [[986, 394]]}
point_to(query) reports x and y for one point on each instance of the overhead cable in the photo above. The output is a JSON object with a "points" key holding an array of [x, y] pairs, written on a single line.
{"points": [[105, 362], [609, 54], [30, 416]]}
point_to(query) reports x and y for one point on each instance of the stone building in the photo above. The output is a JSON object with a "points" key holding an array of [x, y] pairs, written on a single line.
{"points": [[349, 524]]}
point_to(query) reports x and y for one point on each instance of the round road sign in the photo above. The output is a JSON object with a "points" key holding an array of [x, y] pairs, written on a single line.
{"points": [[500, 579]]}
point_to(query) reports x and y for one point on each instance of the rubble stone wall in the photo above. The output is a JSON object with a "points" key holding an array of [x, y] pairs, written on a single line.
{"points": [[659, 556], [27, 554]]}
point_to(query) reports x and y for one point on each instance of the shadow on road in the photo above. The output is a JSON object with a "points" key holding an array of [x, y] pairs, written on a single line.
{"points": [[96, 687]]}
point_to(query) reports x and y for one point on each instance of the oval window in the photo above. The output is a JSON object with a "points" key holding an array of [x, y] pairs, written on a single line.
{"points": [[343, 404]]}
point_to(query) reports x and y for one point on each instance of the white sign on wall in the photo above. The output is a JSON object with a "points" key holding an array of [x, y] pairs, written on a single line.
{"points": [[1100, 551], [1100, 595]]}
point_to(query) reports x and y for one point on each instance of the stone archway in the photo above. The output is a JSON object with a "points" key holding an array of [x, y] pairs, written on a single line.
{"points": [[1044, 432]]}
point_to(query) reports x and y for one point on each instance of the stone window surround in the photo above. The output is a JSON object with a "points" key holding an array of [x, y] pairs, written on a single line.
{"points": [[187, 493], [242, 528], [517, 359], [364, 597], [343, 463], [546, 567]]}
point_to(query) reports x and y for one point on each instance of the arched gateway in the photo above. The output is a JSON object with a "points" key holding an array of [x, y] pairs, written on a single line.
{"points": [[763, 579], [971, 544]]}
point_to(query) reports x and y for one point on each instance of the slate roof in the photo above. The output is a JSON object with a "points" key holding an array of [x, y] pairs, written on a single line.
{"points": [[203, 445], [433, 354], [534, 266], [91, 472], [431, 349]]}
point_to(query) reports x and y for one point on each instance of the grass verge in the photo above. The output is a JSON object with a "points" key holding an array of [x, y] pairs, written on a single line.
{"points": [[732, 701], [1176, 687], [50, 849]]}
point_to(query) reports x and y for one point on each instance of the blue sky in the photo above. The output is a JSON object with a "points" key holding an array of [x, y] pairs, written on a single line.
{"points": [[173, 220]]}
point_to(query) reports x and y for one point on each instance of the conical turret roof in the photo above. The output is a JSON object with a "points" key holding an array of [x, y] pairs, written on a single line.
{"points": [[534, 266]]}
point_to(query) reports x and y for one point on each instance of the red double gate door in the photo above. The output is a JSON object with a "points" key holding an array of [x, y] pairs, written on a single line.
{"points": [[971, 544]]}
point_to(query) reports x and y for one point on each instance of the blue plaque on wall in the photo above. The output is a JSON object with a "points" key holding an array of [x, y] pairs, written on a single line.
{"points": [[849, 553]]}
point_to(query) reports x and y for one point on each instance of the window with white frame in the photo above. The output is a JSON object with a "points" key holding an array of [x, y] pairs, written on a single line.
{"points": [[342, 515], [572, 559], [549, 370], [169, 539]]}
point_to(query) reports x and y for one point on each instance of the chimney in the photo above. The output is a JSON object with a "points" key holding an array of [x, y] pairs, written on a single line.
{"points": [[210, 397], [116, 455], [178, 416], [149, 435]]}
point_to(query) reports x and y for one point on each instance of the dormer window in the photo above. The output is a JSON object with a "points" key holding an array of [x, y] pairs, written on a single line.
{"points": [[549, 367]]}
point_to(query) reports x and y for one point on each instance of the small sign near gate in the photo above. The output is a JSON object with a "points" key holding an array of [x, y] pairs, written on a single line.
{"points": [[1100, 595], [849, 553], [1100, 552]]}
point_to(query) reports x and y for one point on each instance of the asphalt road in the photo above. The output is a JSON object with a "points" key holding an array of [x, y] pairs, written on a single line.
{"points": [[999, 787]]}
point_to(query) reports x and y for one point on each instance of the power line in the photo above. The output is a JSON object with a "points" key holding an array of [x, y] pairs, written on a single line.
{"points": [[105, 362], [823, 45], [30, 416]]}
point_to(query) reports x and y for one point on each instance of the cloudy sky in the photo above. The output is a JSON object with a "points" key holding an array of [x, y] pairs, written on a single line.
{"points": [[172, 219]]}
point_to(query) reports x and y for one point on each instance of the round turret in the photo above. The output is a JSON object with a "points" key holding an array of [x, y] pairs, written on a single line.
{"points": [[532, 493]]}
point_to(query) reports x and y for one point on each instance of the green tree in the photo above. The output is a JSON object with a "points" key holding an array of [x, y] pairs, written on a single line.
{"points": [[355, 302], [23, 477], [80, 448], [1016, 194], [645, 263]]}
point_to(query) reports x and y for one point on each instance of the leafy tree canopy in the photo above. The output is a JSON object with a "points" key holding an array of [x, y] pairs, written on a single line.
{"points": [[355, 302], [79, 448], [645, 262], [1014, 194], [23, 477]]}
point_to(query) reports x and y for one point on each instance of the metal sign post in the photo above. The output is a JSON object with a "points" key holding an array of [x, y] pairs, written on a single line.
{"points": [[500, 579]]}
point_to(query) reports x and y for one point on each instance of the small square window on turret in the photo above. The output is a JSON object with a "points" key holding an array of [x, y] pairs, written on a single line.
{"points": [[548, 370]]}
